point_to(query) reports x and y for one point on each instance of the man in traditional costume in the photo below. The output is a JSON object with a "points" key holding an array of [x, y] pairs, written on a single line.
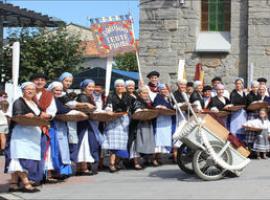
{"points": [[153, 77], [207, 95], [46, 102]]}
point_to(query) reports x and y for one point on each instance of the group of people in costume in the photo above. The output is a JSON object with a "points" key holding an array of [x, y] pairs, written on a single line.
{"points": [[37, 154]]}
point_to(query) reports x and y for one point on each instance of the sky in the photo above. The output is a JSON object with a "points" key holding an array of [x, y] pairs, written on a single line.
{"points": [[77, 11]]}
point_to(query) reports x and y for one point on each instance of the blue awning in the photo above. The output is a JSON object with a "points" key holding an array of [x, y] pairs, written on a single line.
{"points": [[132, 75]]}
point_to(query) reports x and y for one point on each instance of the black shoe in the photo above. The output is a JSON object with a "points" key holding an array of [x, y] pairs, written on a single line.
{"points": [[112, 168], [83, 174], [14, 187], [32, 190]]}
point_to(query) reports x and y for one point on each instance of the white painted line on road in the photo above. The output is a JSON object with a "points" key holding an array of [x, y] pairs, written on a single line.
{"points": [[9, 196]]}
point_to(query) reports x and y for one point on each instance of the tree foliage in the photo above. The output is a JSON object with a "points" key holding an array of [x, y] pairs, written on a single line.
{"points": [[50, 52], [127, 61]]}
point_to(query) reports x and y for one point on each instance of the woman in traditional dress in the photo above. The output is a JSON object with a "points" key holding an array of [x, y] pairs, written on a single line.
{"points": [[252, 97], [238, 118], [130, 85], [216, 81], [116, 131], [219, 103], [141, 133], [263, 94], [196, 97], [164, 125], [62, 162], [69, 99], [180, 98], [88, 146], [23, 153], [261, 143]]}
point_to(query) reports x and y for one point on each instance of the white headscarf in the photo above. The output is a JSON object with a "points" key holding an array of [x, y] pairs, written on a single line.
{"points": [[25, 84], [54, 85], [197, 83], [119, 82], [129, 82]]}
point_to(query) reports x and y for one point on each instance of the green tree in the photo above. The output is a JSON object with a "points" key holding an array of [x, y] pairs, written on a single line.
{"points": [[50, 52], [127, 61]]}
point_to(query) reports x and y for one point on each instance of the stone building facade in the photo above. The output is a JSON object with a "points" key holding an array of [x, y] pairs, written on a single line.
{"points": [[172, 29]]}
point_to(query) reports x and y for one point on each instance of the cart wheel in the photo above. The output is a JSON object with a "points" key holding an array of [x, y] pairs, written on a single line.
{"points": [[184, 158], [206, 168]]}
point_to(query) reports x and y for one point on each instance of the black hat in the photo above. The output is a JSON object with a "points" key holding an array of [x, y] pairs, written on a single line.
{"points": [[38, 75], [217, 78], [207, 88], [99, 82], [190, 84], [264, 80], [153, 73]]}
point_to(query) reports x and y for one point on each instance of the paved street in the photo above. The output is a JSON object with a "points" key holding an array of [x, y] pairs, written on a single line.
{"points": [[166, 181]]}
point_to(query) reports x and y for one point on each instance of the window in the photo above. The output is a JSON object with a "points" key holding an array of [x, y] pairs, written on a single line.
{"points": [[215, 15]]}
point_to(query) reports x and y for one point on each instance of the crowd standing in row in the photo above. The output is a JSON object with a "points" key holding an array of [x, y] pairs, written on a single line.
{"points": [[36, 154]]}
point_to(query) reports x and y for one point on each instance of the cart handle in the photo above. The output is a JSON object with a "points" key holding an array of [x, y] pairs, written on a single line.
{"points": [[216, 156]]}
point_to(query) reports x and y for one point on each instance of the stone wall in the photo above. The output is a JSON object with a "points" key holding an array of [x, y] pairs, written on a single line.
{"points": [[259, 37], [169, 32]]}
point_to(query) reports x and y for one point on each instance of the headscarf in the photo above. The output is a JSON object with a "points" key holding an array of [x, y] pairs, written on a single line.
{"points": [[25, 84], [254, 84], [129, 82], [54, 85], [161, 86], [119, 82], [220, 87], [65, 75], [240, 79], [86, 82], [197, 83], [143, 89], [182, 81]]}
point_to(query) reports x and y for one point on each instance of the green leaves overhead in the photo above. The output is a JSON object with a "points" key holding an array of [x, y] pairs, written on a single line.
{"points": [[51, 52]]}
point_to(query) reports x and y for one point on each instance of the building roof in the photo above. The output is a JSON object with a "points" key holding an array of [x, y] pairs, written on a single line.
{"points": [[14, 16]]}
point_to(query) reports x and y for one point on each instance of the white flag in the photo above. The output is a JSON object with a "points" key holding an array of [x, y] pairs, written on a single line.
{"points": [[181, 70]]}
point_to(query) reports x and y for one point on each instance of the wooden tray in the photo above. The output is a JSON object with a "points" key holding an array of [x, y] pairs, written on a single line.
{"points": [[184, 107], [166, 111], [145, 115], [234, 108], [249, 128], [26, 121], [72, 117], [217, 114], [105, 116], [84, 109], [257, 106]]}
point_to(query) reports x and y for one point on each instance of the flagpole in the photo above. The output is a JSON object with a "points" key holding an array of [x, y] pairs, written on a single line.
{"points": [[108, 75], [137, 54]]}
